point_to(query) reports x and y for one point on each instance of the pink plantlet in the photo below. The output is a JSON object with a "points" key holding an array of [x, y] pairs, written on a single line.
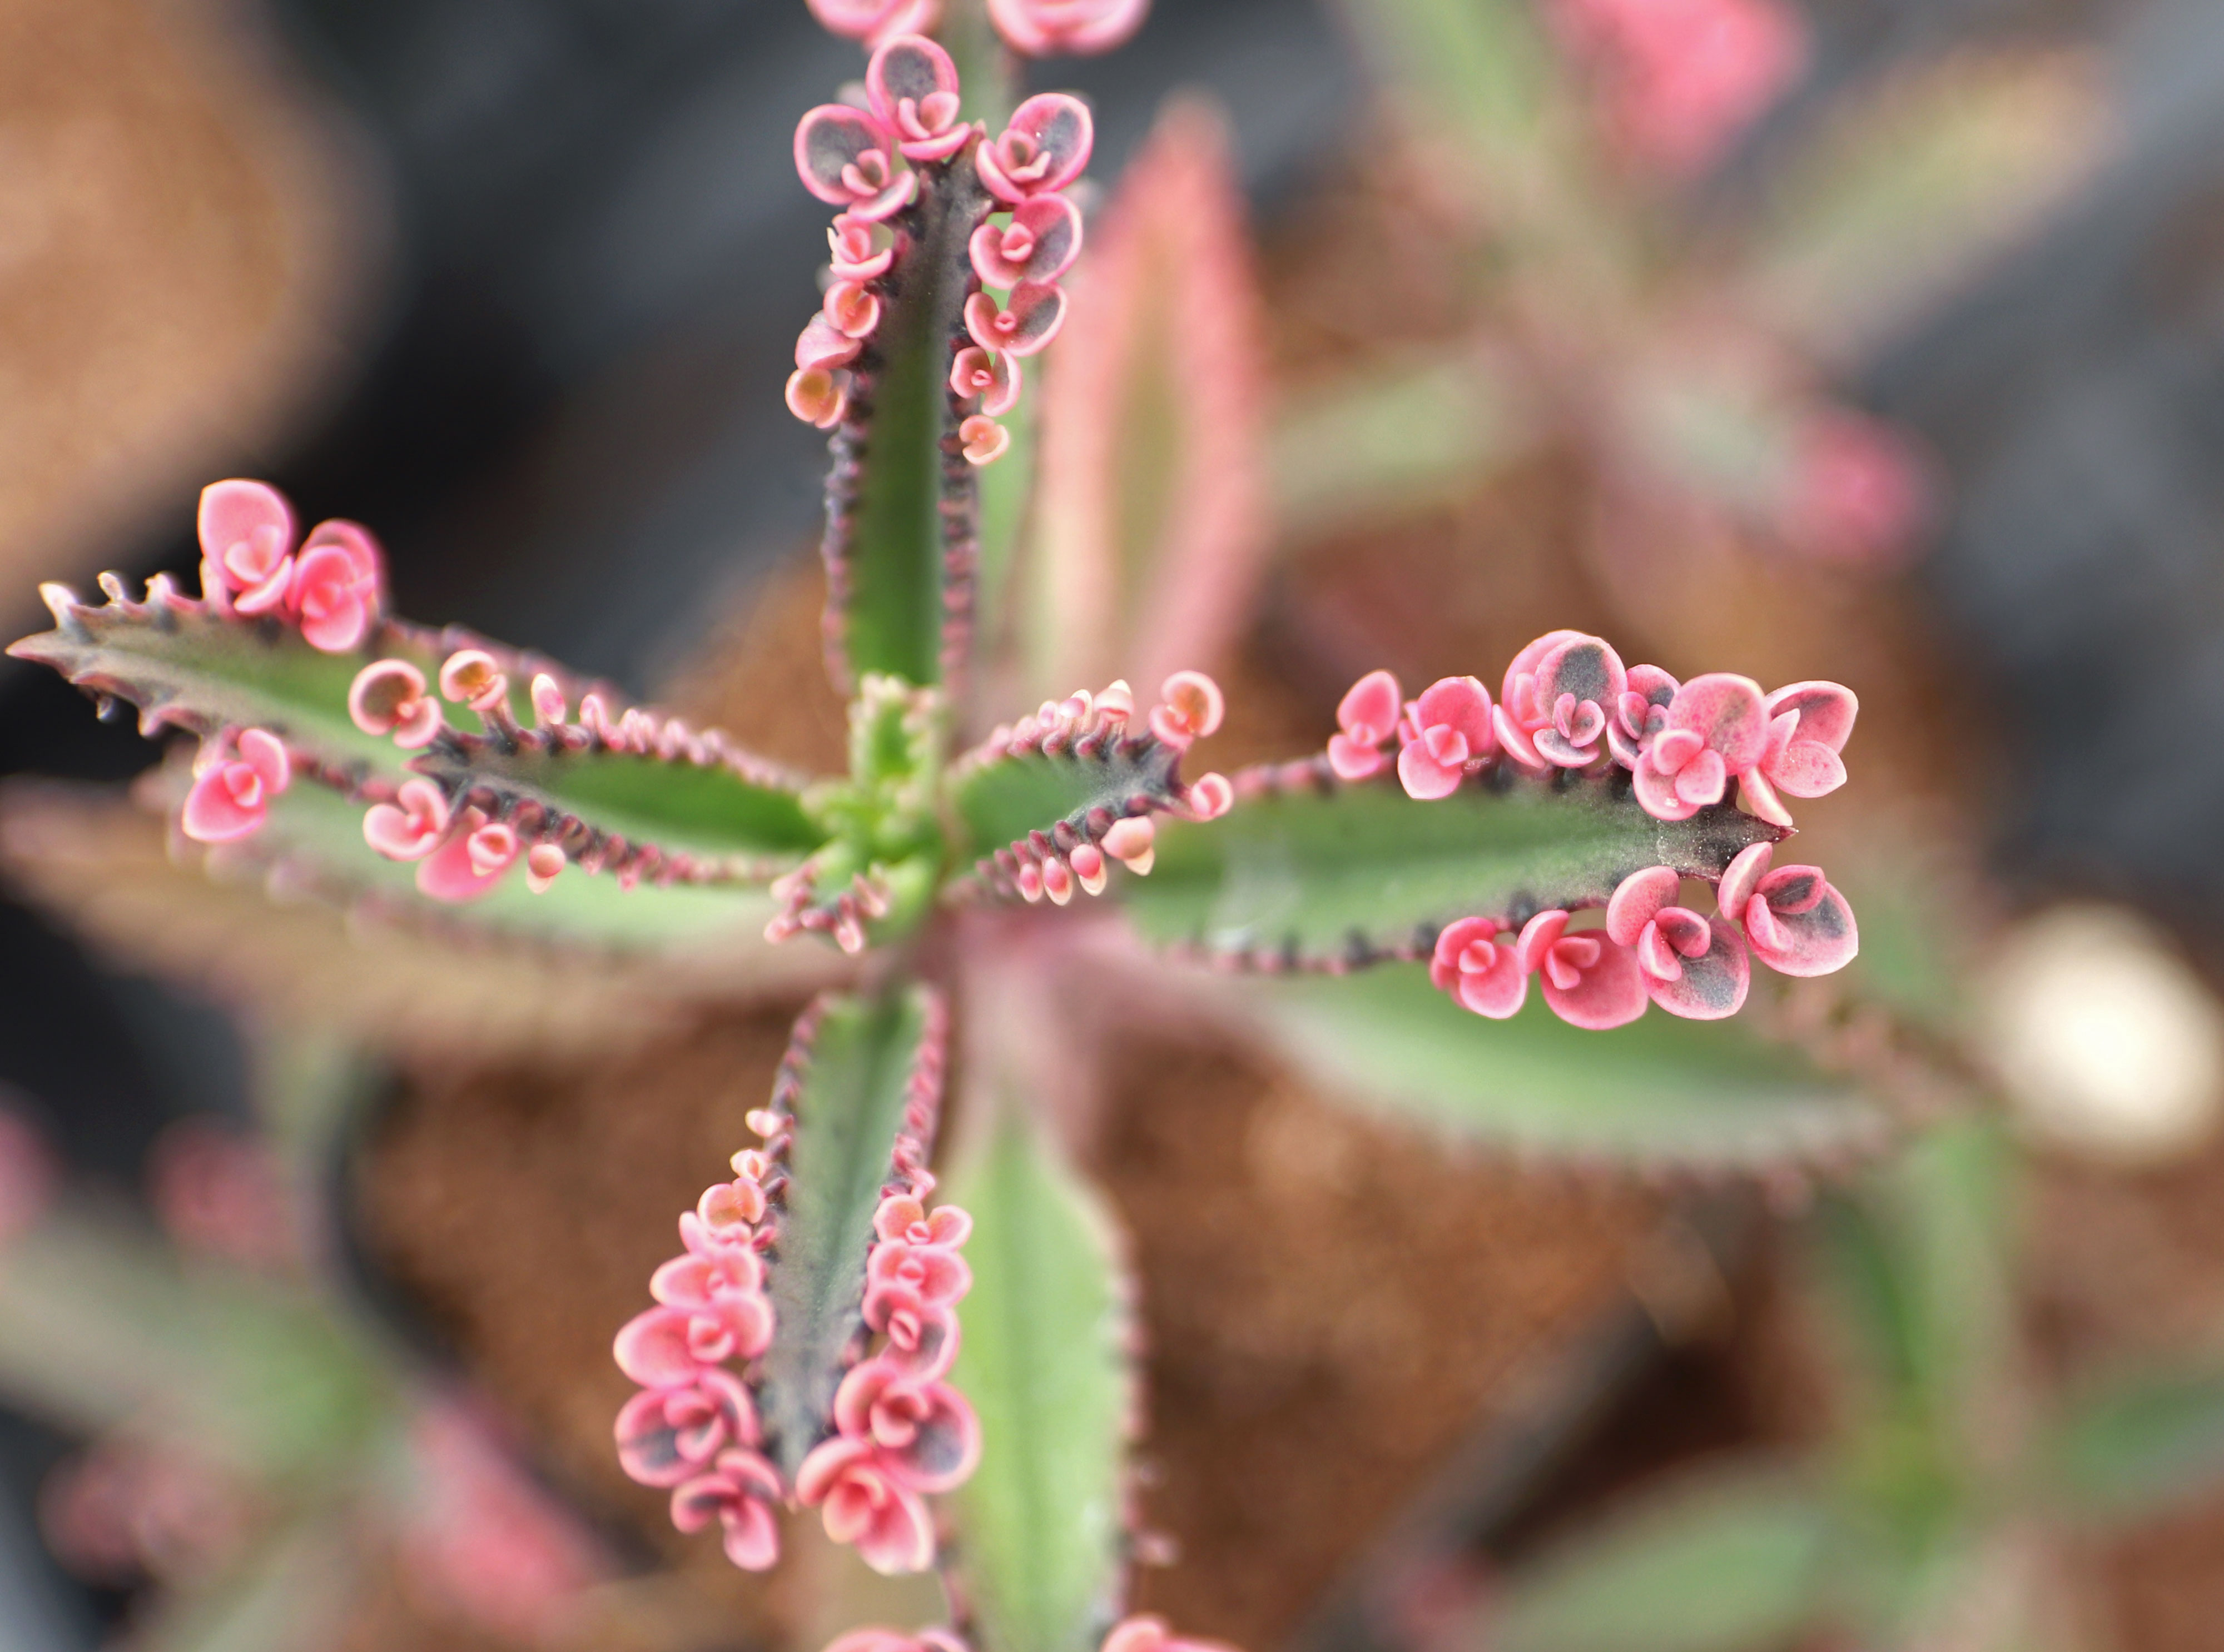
{"points": [[336, 585], [845, 157], [727, 1210], [1042, 238], [247, 536], [387, 697], [412, 826], [231, 797], [851, 309], [817, 397], [1208, 797], [1367, 721], [904, 1217], [29, 1176], [1150, 1634], [1642, 713], [1578, 683], [1025, 326], [666, 1435], [741, 1493], [1042, 150], [982, 439], [987, 373], [1693, 967], [470, 861], [925, 1432], [1796, 922], [1478, 961], [474, 677], [912, 87], [217, 1193], [1518, 712], [859, 250], [1446, 733], [1808, 726], [864, 1500], [922, 1336], [1117, 702], [1190, 707], [1089, 867], [1589, 979], [543, 862], [1130, 842], [1714, 729], [1065, 28], [822, 346], [548, 707], [936, 1272], [1058, 881]]}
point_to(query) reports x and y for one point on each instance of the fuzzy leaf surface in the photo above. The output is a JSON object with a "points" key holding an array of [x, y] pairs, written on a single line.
{"points": [[741, 815], [899, 567], [1729, 1562], [1044, 1362], [1661, 1090], [181, 664], [848, 1115], [1356, 872], [1004, 799]]}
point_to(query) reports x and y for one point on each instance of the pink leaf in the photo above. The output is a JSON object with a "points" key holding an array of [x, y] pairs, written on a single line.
{"points": [[1043, 148]]}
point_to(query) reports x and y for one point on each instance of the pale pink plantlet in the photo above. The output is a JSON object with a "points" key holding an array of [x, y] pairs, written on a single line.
{"points": [[1808, 726], [246, 533], [845, 157], [926, 1434], [474, 677], [548, 707], [912, 87], [1042, 149], [1058, 881], [469, 862], [1693, 967], [821, 345], [922, 1337], [1589, 979], [1208, 797], [543, 863], [1578, 686], [1042, 238], [231, 798], [875, 21], [1795, 921], [1478, 961], [852, 309], [1444, 732], [336, 585], [982, 439], [862, 1500], [1642, 713], [1023, 325], [387, 697], [817, 397], [904, 1217], [740, 1492], [1715, 730], [1117, 702], [859, 250], [936, 1272], [1190, 707], [412, 826], [1367, 721], [1066, 28], [987, 373], [666, 1435], [1089, 867], [1130, 842]]}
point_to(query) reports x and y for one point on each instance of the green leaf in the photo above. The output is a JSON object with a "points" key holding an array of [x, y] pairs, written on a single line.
{"points": [[901, 503], [1155, 519], [732, 814], [2130, 1448], [1010, 787], [1350, 873], [181, 664], [1661, 1090], [854, 1065], [1044, 1362], [1732, 1560]]}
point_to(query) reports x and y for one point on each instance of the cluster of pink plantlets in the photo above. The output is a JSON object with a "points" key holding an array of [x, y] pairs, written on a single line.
{"points": [[1141, 1633], [1567, 701], [1032, 28], [1677, 80], [332, 588], [864, 161], [1076, 854], [901, 1431]]}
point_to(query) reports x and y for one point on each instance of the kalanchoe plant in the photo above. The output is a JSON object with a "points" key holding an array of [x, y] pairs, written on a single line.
{"points": [[829, 1337]]}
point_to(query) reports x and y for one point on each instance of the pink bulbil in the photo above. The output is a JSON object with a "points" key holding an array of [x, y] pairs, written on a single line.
{"points": [[1446, 733], [1131, 842], [873, 20], [1066, 28], [1026, 325], [1042, 238], [1367, 721], [1589, 979], [1191, 707], [387, 697], [331, 589], [848, 157], [1795, 921], [231, 797], [1693, 967], [987, 373], [1808, 726], [912, 87], [1042, 149], [924, 1432], [1479, 963], [470, 861], [863, 1500], [1714, 729], [818, 396], [740, 1492], [668, 1435], [412, 826], [982, 439]]}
